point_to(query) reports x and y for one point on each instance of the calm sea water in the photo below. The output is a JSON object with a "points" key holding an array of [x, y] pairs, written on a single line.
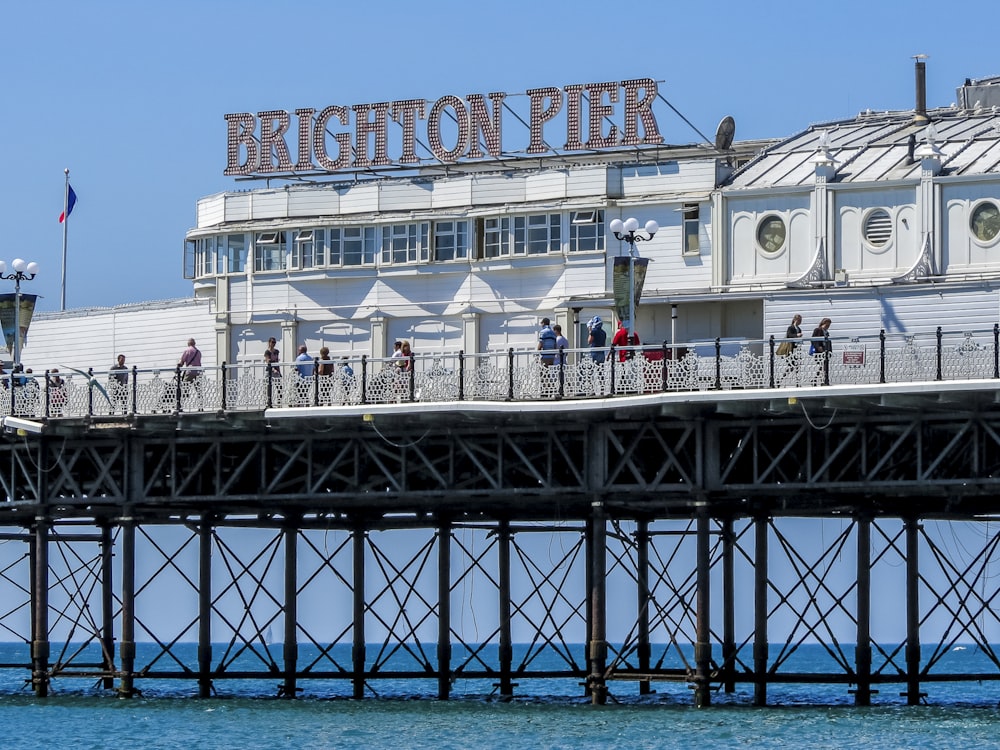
{"points": [[545, 714]]}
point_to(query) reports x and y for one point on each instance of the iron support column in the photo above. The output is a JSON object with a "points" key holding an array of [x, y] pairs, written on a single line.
{"points": [[444, 611], [126, 649], [760, 654], [40, 610], [205, 606], [107, 607], [728, 607], [598, 652], [863, 652], [506, 655], [642, 646], [290, 649], [703, 635], [358, 650], [913, 694]]}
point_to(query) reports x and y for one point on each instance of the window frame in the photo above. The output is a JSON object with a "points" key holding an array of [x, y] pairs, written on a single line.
{"points": [[457, 234], [691, 229], [276, 248], [590, 230]]}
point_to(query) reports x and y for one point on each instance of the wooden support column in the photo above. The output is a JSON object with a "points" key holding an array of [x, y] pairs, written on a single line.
{"points": [[703, 622], [912, 530], [863, 650], [358, 650], [40, 610], [506, 655], [444, 611], [126, 649], [642, 646], [107, 607], [205, 606], [290, 650], [728, 607], [597, 653], [760, 654]]}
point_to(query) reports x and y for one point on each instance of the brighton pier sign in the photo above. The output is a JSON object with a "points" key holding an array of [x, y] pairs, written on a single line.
{"points": [[473, 128]]}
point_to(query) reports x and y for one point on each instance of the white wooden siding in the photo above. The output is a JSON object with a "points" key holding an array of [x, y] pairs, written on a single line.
{"points": [[150, 336], [211, 211]]}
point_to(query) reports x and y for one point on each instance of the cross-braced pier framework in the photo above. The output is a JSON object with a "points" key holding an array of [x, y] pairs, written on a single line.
{"points": [[408, 547]]}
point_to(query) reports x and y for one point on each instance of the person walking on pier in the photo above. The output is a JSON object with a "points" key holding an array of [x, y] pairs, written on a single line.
{"points": [[190, 361], [304, 369], [272, 357], [821, 338], [562, 343], [118, 385], [547, 342], [324, 369], [597, 339], [820, 347]]}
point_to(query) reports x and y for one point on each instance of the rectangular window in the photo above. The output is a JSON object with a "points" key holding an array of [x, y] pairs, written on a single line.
{"points": [[358, 246], [204, 256], [496, 237], [586, 231], [189, 253], [451, 240], [405, 243], [308, 250], [692, 244], [543, 234], [270, 251], [236, 253]]}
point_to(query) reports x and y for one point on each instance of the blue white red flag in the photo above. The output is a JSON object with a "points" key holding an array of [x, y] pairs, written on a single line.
{"points": [[70, 202]]}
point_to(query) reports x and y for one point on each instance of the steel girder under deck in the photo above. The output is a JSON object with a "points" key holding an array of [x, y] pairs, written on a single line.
{"points": [[720, 484]]}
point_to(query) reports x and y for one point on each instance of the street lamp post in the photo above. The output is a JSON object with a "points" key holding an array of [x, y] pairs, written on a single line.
{"points": [[627, 231], [23, 271]]}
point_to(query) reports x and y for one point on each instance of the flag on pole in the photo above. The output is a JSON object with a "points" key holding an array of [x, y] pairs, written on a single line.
{"points": [[70, 202]]}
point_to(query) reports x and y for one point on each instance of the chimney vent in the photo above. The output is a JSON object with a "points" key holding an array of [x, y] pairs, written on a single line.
{"points": [[920, 109]]}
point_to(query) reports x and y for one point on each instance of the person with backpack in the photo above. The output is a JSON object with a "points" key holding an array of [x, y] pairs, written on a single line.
{"points": [[547, 342]]}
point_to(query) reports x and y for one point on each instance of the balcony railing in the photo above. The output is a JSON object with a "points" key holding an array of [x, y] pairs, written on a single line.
{"points": [[511, 375]]}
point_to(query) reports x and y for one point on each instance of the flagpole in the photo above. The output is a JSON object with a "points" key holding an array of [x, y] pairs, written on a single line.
{"points": [[62, 295]]}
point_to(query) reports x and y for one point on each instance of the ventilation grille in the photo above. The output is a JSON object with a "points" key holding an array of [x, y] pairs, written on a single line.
{"points": [[878, 228]]}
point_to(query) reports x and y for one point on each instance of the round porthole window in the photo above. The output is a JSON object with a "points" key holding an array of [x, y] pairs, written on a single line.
{"points": [[771, 234], [985, 221], [878, 228]]}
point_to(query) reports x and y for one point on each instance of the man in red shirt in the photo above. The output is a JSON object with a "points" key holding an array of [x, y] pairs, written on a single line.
{"points": [[621, 341]]}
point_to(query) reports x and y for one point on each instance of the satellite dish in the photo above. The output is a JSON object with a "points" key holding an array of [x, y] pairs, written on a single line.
{"points": [[724, 133]]}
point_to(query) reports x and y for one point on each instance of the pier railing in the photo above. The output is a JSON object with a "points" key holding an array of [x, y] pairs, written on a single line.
{"points": [[510, 375]]}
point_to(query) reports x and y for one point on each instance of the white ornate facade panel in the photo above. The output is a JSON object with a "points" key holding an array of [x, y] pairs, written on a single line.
{"points": [[519, 331], [583, 182], [239, 207], [313, 202], [434, 335], [497, 189], [548, 185], [152, 335], [247, 343], [211, 211], [342, 338], [360, 199], [454, 193], [668, 177], [410, 195], [963, 250], [585, 277], [270, 204], [877, 233], [787, 256]]}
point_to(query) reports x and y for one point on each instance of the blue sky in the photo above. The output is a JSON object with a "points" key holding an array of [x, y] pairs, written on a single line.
{"points": [[131, 96]]}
